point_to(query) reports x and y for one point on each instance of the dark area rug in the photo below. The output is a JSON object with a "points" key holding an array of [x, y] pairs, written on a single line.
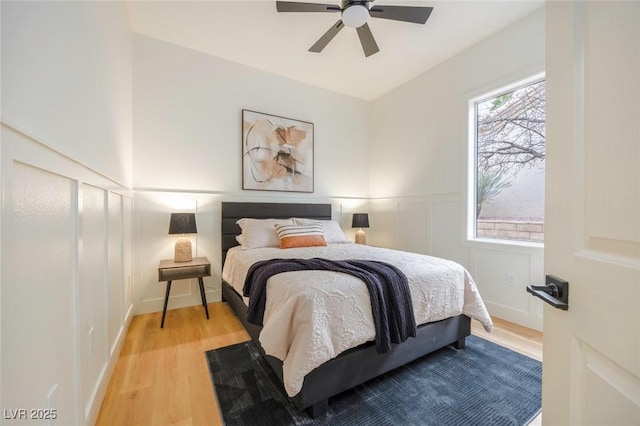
{"points": [[484, 384]]}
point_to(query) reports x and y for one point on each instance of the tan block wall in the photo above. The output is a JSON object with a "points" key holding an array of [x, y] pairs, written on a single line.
{"points": [[511, 230]]}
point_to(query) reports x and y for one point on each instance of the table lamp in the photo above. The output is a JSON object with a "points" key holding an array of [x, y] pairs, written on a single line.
{"points": [[360, 220], [182, 223]]}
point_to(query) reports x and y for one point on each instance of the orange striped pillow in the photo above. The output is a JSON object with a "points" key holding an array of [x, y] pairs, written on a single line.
{"points": [[291, 236]]}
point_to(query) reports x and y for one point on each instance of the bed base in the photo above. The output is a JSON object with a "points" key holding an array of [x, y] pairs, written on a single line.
{"points": [[356, 366]]}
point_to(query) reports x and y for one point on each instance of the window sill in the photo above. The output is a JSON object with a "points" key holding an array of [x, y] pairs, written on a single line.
{"points": [[511, 246]]}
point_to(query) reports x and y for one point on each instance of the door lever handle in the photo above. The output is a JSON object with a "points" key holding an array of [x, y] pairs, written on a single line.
{"points": [[550, 289], [555, 292]]}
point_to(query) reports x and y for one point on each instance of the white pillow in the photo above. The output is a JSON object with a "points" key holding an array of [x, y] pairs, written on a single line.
{"points": [[258, 233], [333, 233]]}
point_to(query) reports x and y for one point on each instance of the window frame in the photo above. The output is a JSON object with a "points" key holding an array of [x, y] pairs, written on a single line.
{"points": [[470, 223]]}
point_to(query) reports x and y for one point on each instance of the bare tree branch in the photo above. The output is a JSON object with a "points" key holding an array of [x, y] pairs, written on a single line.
{"points": [[511, 130]]}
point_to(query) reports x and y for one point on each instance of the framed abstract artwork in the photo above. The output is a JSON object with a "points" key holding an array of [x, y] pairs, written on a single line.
{"points": [[277, 153]]}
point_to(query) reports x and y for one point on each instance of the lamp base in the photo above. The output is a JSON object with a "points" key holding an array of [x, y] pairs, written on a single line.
{"points": [[361, 237], [182, 251]]}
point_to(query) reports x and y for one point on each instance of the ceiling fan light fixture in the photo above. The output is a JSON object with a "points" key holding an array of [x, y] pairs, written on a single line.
{"points": [[355, 16]]}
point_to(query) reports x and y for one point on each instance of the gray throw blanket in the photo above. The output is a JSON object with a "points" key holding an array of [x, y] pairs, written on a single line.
{"points": [[388, 288]]}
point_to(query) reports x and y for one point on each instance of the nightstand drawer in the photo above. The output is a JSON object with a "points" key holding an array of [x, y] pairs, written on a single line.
{"points": [[184, 272]]}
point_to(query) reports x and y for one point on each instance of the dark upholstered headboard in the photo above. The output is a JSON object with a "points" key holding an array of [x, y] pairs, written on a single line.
{"points": [[231, 212]]}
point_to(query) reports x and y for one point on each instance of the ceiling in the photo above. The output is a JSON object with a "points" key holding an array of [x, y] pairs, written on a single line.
{"points": [[254, 34]]}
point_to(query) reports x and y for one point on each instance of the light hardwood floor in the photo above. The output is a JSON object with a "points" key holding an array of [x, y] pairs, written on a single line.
{"points": [[162, 377]]}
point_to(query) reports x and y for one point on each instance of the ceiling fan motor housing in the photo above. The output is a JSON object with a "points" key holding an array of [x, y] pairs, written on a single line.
{"points": [[355, 13]]}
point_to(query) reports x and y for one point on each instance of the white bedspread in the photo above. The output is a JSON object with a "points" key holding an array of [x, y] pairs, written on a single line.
{"points": [[313, 316]]}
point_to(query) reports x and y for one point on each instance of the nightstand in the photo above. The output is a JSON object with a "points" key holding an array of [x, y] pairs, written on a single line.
{"points": [[168, 270]]}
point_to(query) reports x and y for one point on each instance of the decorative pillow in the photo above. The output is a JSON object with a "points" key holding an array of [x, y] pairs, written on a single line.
{"points": [[333, 233], [258, 233], [300, 235]]}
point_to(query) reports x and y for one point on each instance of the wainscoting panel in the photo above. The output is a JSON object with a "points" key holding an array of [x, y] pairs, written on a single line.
{"points": [[93, 329], [127, 256], [384, 224], [413, 219], [116, 272], [446, 230], [503, 276], [38, 291], [66, 248]]}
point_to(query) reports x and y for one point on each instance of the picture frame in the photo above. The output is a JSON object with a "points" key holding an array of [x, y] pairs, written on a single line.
{"points": [[277, 153]]}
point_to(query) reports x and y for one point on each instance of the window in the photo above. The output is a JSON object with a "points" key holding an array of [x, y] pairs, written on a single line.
{"points": [[507, 165]]}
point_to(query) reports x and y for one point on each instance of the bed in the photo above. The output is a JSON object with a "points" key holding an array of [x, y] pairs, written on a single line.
{"points": [[352, 366]]}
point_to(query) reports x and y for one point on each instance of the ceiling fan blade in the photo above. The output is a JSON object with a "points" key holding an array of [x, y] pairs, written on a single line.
{"points": [[327, 37], [293, 6], [415, 14], [366, 39]]}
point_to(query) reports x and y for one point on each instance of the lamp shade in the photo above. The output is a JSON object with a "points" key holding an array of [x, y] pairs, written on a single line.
{"points": [[360, 220], [183, 223]]}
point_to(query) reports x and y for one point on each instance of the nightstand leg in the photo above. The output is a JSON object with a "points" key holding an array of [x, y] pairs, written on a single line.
{"points": [[203, 296], [166, 299]]}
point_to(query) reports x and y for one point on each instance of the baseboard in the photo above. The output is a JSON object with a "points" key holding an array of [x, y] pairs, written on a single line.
{"points": [[176, 302], [95, 403], [526, 319]]}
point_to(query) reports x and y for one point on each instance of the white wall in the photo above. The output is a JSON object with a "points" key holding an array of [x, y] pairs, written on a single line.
{"points": [[67, 80], [187, 115], [66, 210], [188, 153], [417, 161]]}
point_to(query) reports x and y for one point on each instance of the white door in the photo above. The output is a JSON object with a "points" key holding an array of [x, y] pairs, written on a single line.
{"points": [[591, 369]]}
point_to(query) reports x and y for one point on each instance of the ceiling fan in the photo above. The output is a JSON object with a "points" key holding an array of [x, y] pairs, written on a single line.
{"points": [[355, 14]]}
